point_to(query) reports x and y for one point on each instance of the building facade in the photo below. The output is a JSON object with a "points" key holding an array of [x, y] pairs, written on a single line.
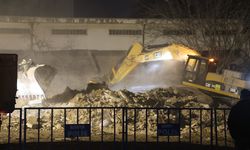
{"points": [[55, 34]]}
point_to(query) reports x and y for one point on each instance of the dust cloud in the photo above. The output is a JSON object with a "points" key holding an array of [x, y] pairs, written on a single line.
{"points": [[74, 68], [157, 74]]}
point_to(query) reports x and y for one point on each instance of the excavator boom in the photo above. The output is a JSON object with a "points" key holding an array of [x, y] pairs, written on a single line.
{"points": [[196, 71], [136, 55]]}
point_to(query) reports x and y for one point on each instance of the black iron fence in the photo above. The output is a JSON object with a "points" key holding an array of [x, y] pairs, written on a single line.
{"points": [[117, 124], [8, 133]]}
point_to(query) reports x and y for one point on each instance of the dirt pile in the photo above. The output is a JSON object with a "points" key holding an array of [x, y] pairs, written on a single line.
{"points": [[111, 118], [160, 97]]}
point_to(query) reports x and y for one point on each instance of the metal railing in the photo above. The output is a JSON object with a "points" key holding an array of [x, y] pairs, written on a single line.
{"points": [[117, 124], [6, 127]]}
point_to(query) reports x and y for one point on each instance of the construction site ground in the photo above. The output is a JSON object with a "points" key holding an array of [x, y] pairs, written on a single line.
{"points": [[111, 146], [171, 97]]}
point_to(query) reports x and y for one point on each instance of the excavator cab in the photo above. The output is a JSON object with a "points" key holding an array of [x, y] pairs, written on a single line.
{"points": [[196, 69], [200, 72]]}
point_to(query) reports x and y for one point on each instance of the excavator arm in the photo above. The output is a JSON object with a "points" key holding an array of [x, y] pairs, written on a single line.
{"points": [[127, 64], [136, 55], [200, 77]]}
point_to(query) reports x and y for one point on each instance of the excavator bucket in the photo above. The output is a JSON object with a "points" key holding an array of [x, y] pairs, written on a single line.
{"points": [[44, 76], [34, 81]]}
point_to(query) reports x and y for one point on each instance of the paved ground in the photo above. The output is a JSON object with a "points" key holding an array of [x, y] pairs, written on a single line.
{"points": [[111, 146]]}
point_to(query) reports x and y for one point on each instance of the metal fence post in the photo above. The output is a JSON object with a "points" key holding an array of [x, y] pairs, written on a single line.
{"points": [[225, 127], [51, 126], [134, 124], [215, 127], [126, 121], [25, 126], [190, 125], [124, 128], [9, 126], [157, 122], [90, 123], [20, 126], [201, 126], [38, 126], [77, 120], [114, 126], [102, 125], [211, 128], [65, 122], [179, 121], [146, 118], [168, 121], [122, 125]]}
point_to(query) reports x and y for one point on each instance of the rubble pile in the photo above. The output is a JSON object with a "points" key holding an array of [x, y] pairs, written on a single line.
{"points": [[161, 97], [157, 98]]}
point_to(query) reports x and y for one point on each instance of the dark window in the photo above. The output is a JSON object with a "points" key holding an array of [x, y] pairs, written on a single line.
{"points": [[14, 31], [125, 32], [177, 32], [70, 31]]}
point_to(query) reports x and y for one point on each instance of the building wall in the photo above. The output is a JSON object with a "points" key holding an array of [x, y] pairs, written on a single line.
{"points": [[55, 34], [13, 41], [39, 36], [81, 33], [96, 38]]}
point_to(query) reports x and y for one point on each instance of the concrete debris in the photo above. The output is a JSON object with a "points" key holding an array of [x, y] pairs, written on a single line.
{"points": [[163, 97], [63, 97]]}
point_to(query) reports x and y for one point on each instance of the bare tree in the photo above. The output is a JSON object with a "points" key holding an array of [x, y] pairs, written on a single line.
{"points": [[217, 26]]}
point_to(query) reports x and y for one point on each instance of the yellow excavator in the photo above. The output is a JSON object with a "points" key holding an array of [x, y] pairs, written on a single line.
{"points": [[198, 72]]}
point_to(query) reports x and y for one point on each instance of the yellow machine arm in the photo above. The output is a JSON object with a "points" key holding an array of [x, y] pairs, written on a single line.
{"points": [[197, 70], [136, 56]]}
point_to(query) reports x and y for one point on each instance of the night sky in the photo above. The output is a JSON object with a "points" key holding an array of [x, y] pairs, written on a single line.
{"points": [[70, 8], [105, 8]]}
